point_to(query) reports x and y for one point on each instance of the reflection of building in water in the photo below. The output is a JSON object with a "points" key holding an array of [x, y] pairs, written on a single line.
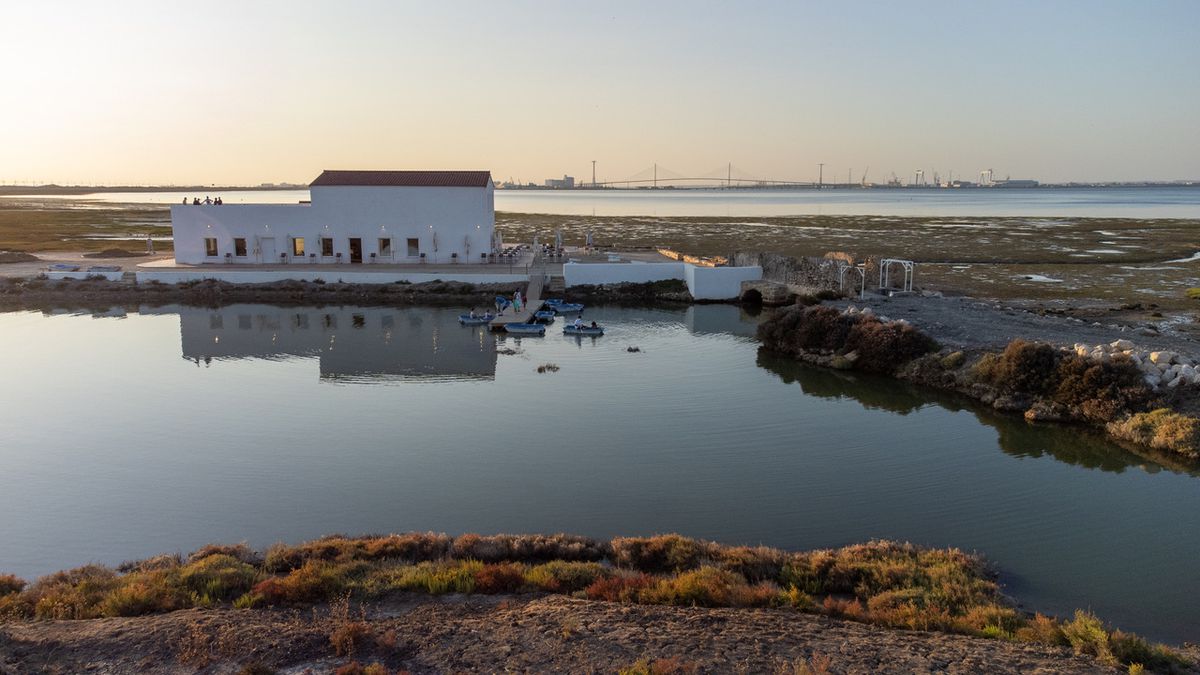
{"points": [[362, 343]]}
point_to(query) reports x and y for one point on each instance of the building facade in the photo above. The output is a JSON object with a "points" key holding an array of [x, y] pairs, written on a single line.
{"points": [[352, 217]]}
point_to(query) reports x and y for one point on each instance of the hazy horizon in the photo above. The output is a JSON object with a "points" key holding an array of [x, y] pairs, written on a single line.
{"points": [[144, 94]]}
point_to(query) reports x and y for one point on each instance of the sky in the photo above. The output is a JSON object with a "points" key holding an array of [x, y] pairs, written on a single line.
{"points": [[242, 93]]}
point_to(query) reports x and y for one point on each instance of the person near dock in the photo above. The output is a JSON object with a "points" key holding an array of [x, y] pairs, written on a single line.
{"points": [[517, 301], [207, 201], [149, 245]]}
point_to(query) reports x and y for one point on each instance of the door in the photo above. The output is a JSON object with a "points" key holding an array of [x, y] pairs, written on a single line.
{"points": [[267, 246], [355, 250]]}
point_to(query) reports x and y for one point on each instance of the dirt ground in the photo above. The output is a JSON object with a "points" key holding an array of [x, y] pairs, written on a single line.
{"points": [[476, 634]]}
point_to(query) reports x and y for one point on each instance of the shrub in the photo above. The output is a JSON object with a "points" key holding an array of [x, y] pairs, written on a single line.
{"points": [[794, 597], [437, 578], [499, 578], [142, 597], [1043, 630], [619, 588], [953, 360], [1087, 636], [348, 636], [559, 576], [1025, 368], [664, 553], [1163, 429], [255, 669], [755, 563], [10, 584], [240, 552], [527, 547], [706, 587], [882, 347], [218, 577], [74, 594], [313, 582]]}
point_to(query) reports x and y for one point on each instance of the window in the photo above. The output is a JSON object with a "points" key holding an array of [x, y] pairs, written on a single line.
{"points": [[210, 247], [385, 248], [239, 247], [326, 246], [414, 247], [298, 246]]}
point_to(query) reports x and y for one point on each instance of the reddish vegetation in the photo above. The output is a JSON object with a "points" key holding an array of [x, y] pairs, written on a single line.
{"points": [[879, 346]]}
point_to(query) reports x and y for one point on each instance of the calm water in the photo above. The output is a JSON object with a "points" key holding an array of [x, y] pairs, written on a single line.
{"points": [[127, 436], [1045, 202]]}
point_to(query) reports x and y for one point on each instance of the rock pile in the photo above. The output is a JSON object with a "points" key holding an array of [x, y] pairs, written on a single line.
{"points": [[1160, 369]]}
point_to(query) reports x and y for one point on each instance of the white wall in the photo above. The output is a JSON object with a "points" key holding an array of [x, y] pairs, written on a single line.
{"points": [[340, 273], [462, 219], [704, 283], [719, 283], [580, 274]]}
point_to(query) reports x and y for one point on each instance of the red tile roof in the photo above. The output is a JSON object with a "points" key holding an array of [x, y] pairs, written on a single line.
{"points": [[404, 178]]}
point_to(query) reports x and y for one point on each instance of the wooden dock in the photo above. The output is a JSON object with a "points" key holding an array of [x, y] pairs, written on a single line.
{"points": [[533, 302]]}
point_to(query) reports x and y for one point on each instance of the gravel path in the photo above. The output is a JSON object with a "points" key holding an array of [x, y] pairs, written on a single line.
{"points": [[965, 323], [516, 633]]}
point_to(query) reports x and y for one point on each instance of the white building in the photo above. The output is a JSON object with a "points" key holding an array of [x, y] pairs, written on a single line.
{"points": [[564, 182], [352, 217]]}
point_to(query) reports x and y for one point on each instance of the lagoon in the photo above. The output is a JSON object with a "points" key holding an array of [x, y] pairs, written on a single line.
{"points": [[128, 434]]}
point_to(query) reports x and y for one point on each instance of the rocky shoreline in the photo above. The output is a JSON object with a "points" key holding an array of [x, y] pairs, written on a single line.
{"points": [[99, 294], [1137, 396]]}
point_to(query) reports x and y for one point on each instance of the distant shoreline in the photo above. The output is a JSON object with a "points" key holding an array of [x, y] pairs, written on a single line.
{"points": [[13, 190]]}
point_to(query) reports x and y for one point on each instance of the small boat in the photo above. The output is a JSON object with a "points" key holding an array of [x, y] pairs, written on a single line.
{"points": [[567, 308], [477, 320], [544, 316], [583, 330], [553, 301], [104, 268], [525, 328], [63, 267]]}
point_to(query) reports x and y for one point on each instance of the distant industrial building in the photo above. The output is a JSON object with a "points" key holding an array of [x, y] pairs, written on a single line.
{"points": [[564, 182]]}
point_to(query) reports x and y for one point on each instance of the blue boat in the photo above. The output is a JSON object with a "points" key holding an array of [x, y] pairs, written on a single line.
{"points": [[567, 307], [525, 328], [544, 316], [583, 330], [63, 267], [477, 320]]}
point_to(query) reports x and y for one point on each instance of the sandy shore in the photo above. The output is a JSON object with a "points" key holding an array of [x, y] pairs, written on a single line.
{"points": [[475, 634]]}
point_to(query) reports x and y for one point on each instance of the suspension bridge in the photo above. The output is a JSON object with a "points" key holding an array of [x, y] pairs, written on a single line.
{"points": [[727, 176]]}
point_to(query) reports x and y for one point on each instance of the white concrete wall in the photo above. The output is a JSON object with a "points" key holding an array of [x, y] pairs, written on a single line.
{"points": [[462, 219], [704, 283], [718, 283], [340, 273], [580, 274]]}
